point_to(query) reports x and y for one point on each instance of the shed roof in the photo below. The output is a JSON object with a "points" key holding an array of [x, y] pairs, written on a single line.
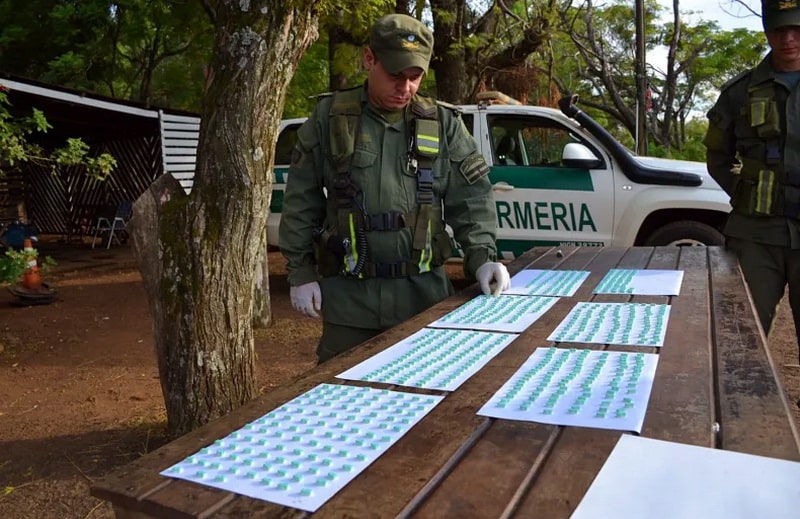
{"points": [[83, 114]]}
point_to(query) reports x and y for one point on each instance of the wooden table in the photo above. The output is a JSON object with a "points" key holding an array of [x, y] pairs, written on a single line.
{"points": [[715, 386]]}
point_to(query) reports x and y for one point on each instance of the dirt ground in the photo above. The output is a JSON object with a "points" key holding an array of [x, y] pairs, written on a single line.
{"points": [[79, 389]]}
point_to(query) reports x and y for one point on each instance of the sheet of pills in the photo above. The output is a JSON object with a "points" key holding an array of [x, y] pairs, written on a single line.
{"points": [[641, 282], [498, 313], [432, 358], [602, 389], [305, 451], [534, 282], [634, 324]]}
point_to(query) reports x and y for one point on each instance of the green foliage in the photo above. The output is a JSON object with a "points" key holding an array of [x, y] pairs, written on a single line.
{"points": [[13, 264], [310, 79], [157, 51], [16, 145], [35, 33], [693, 147], [148, 50], [593, 55]]}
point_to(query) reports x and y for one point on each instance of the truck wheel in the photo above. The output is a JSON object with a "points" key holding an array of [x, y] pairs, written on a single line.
{"points": [[685, 233]]}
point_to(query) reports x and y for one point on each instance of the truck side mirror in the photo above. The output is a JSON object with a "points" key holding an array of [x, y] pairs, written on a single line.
{"points": [[576, 155]]}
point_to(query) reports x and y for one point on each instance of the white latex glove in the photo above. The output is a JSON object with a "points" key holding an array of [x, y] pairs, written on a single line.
{"points": [[493, 278], [307, 299]]}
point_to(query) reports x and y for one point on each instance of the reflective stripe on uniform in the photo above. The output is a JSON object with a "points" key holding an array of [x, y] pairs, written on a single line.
{"points": [[428, 143], [766, 183], [351, 257], [426, 254]]}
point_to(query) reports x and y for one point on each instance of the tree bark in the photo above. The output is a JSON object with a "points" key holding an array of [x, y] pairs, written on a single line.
{"points": [[463, 68], [449, 54], [209, 244]]}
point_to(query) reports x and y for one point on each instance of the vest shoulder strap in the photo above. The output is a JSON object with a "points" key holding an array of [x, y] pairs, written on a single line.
{"points": [[423, 107], [344, 115], [346, 102]]}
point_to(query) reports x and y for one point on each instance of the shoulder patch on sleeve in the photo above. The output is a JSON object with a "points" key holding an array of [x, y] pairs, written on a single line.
{"points": [[718, 118], [474, 167]]}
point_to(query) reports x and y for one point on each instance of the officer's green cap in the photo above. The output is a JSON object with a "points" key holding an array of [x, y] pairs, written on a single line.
{"points": [[779, 13], [400, 41]]}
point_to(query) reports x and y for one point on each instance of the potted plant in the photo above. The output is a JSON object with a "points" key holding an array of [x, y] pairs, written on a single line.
{"points": [[22, 266]]}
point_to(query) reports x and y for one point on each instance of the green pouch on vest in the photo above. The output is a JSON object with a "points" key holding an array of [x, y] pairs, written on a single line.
{"points": [[758, 111], [764, 117], [426, 140]]}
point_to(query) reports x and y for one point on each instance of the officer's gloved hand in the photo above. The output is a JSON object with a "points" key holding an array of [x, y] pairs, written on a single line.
{"points": [[307, 299], [493, 278]]}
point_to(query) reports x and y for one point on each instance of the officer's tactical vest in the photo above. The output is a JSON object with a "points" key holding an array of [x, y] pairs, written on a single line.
{"points": [[352, 221], [764, 187]]}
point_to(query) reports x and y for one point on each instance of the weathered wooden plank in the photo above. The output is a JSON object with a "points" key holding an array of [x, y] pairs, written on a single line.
{"points": [[580, 452], [567, 473], [165, 117], [457, 464], [184, 500], [172, 167], [490, 477], [183, 125], [139, 478], [181, 159], [681, 406], [178, 134], [176, 141], [179, 151], [753, 410], [485, 481], [126, 486], [387, 485]]}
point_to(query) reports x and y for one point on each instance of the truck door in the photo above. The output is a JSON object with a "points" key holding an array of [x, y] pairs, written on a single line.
{"points": [[539, 200]]}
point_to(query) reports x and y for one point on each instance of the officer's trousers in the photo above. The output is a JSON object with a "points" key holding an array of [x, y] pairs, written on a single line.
{"points": [[767, 270], [337, 339]]}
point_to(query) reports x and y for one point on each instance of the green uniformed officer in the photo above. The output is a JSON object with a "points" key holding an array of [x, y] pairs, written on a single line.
{"points": [[376, 173], [753, 152]]}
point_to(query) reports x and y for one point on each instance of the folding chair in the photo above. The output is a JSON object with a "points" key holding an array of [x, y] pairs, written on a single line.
{"points": [[115, 224]]}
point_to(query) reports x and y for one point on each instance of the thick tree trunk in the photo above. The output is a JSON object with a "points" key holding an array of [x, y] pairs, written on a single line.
{"points": [[453, 82], [209, 244]]}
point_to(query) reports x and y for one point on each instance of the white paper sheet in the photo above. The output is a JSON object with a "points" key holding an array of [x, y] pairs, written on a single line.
{"points": [[644, 478], [631, 324], [535, 282], [641, 282], [602, 389], [305, 451], [497, 313], [432, 358]]}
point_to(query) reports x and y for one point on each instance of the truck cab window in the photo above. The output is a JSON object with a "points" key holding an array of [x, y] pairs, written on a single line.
{"points": [[283, 148], [528, 141]]}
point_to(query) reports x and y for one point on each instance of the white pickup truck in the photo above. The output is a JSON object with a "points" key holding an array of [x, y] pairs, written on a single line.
{"points": [[559, 178]]}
